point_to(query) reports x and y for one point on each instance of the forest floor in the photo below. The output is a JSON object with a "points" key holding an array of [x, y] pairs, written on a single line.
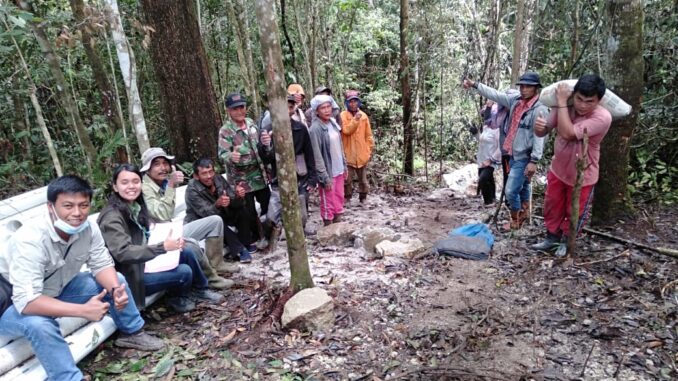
{"points": [[608, 314]]}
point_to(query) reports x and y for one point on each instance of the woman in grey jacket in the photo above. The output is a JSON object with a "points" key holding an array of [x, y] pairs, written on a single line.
{"points": [[330, 164]]}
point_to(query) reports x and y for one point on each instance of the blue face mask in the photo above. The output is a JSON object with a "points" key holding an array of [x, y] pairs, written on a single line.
{"points": [[67, 228]]}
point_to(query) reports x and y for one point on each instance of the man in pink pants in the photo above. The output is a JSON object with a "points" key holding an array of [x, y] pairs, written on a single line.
{"points": [[584, 116]]}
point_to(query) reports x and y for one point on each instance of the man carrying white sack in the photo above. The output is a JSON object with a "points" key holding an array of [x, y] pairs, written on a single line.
{"points": [[584, 116]]}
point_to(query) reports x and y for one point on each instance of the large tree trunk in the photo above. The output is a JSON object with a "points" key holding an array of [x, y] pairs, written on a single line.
{"points": [[62, 89], [98, 69], [181, 70], [625, 68], [404, 74], [129, 75], [284, 151]]}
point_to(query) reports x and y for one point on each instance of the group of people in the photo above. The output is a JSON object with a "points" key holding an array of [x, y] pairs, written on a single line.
{"points": [[40, 263], [513, 138]]}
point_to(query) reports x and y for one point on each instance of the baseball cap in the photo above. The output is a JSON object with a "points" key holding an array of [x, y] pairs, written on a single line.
{"points": [[235, 100], [320, 89]]}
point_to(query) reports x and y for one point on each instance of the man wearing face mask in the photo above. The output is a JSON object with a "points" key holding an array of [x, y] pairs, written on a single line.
{"points": [[40, 266]]}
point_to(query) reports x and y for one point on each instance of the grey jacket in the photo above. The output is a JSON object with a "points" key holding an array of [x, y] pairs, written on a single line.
{"points": [[320, 140], [525, 145]]}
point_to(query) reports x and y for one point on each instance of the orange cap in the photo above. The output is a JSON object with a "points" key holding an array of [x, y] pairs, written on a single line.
{"points": [[295, 88]]}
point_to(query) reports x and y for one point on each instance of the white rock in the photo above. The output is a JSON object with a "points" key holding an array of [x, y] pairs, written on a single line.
{"points": [[336, 234], [405, 248], [311, 309]]}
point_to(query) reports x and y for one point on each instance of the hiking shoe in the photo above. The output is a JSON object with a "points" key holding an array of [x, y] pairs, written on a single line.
{"points": [[180, 304], [562, 250], [549, 243], [245, 256], [140, 340], [207, 296], [251, 248]]}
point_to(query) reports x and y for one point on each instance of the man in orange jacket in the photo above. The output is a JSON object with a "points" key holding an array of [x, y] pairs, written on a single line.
{"points": [[358, 145]]}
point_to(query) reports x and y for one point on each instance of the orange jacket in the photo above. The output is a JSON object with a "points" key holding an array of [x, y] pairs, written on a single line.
{"points": [[356, 136]]}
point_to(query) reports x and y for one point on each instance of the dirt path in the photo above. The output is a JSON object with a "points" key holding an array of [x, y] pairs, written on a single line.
{"points": [[516, 316]]}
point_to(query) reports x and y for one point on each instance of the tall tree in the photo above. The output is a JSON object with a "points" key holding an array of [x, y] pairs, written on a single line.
{"points": [[128, 69], [62, 88], [191, 114], [238, 16], [518, 36], [284, 151], [108, 96], [404, 74], [624, 68]]}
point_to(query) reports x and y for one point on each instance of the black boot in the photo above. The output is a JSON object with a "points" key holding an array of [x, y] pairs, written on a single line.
{"points": [[549, 243]]}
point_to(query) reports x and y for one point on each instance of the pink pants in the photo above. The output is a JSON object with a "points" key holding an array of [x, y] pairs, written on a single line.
{"points": [[557, 204], [332, 201]]}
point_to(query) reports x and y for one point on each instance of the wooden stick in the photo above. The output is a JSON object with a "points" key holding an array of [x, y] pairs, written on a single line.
{"points": [[660, 250], [576, 195]]}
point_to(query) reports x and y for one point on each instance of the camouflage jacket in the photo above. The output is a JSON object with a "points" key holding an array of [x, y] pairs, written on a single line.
{"points": [[249, 170]]}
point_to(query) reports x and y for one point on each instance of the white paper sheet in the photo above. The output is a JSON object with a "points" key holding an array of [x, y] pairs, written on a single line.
{"points": [[169, 260]]}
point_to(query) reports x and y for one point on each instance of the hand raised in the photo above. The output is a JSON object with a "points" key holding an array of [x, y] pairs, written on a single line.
{"points": [[235, 155], [172, 243], [265, 138], [563, 92], [120, 297], [240, 191], [176, 178], [467, 84], [540, 125], [95, 308]]}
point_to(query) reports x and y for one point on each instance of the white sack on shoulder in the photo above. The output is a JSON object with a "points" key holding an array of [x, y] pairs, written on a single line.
{"points": [[615, 105]]}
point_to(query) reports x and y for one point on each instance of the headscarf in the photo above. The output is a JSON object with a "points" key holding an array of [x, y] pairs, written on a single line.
{"points": [[320, 100]]}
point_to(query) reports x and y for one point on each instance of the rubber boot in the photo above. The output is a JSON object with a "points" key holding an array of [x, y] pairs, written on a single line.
{"points": [[515, 220], [549, 243], [327, 222], [362, 197], [214, 280], [214, 252], [337, 218]]}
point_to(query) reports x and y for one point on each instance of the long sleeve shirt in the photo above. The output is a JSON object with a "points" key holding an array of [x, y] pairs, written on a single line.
{"points": [[37, 261], [160, 200]]}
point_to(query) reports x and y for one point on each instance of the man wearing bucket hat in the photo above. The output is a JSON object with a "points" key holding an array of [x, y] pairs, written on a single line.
{"points": [[159, 189], [356, 135], [517, 140]]}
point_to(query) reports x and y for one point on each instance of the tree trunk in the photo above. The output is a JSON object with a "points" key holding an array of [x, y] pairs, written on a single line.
{"points": [[62, 89], [107, 94], [519, 30], [36, 105], [282, 135], [128, 70], [183, 76], [625, 69], [303, 38], [238, 16], [283, 20], [20, 120], [404, 74]]}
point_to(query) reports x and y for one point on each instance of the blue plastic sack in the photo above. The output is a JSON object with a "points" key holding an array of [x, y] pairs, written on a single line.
{"points": [[475, 230], [472, 241]]}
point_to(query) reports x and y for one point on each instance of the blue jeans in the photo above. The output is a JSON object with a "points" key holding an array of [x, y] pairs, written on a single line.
{"points": [[178, 282], [45, 337], [517, 186]]}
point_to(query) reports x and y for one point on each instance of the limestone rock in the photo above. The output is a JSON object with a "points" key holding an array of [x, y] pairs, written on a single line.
{"points": [[371, 236], [310, 309], [406, 248], [336, 234]]}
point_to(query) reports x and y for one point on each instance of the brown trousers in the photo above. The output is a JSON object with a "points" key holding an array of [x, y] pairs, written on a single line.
{"points": [[363, 185]]}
